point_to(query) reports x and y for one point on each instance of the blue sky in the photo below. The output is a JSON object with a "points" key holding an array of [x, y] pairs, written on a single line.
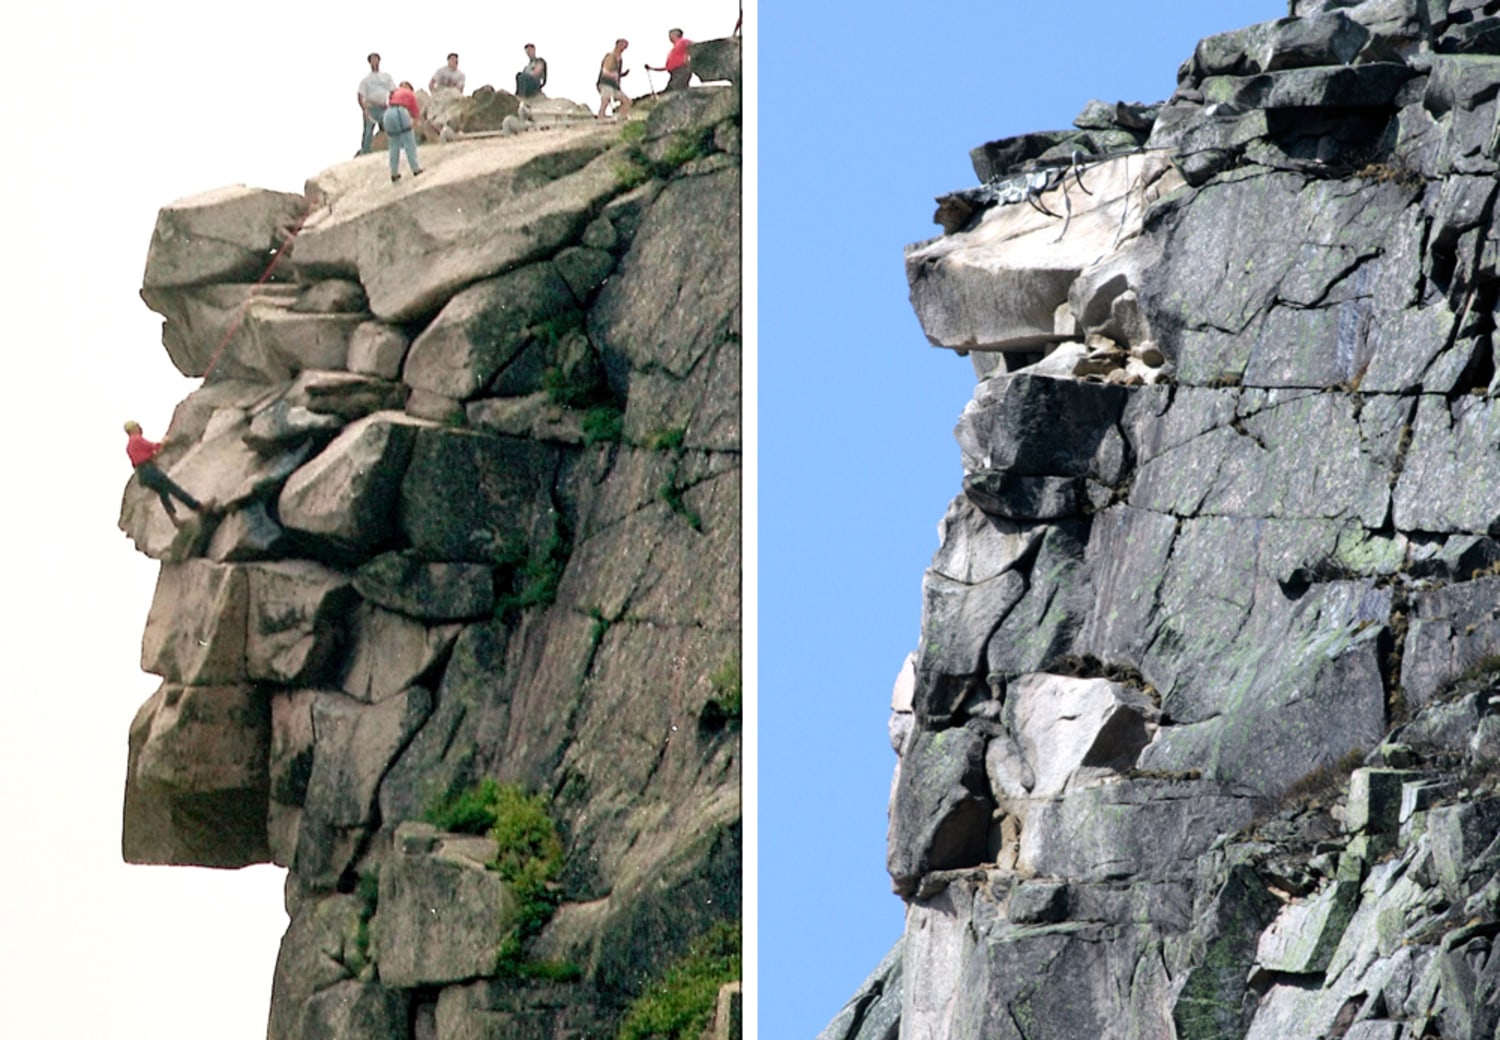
{"points": [[866, 113]]}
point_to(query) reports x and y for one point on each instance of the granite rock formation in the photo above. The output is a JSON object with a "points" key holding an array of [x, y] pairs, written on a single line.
{"points": [[1200, 737], [472, 461]]}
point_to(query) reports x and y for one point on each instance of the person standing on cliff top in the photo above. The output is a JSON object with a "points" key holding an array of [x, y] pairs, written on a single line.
{"points": [[679, 65], [611, 71], [531, 79], [374, 94], [401, 129], [141, 452], [447, 77]]}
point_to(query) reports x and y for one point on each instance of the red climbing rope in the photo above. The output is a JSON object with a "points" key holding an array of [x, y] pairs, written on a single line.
{"points": [[239, 317]]}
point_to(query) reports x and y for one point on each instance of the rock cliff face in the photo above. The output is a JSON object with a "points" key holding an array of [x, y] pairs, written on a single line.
{"points": [[471, 457], [1201, 736]]}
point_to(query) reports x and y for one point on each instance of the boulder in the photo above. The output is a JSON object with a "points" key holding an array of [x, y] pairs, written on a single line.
{"points": [[353, 746], [196, 628], [442, 914], [295, 621], [330, 296], [344, 499], [1068, 730], [958, 620], [319, 955], [196, 785], [225, 235], [482, 329], [248, 533], [715, 60], [940, 807], [537, 196], [1302, 939], [343, 395], [997, 286], [387, 652], [377, 349], [354, 1011], [205, 324]]}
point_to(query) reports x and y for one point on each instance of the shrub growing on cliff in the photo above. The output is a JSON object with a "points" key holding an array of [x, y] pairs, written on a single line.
{"points": [[529, 859], [603, 423], [727, 700], [680, 1005], [467, 812]]}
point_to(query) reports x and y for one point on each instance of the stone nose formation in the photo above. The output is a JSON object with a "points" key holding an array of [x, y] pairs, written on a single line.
{"points": [[1201, 734]]}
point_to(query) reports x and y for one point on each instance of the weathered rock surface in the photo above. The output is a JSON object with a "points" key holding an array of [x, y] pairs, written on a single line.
{"points": [[1200, 738], [470, 464]]}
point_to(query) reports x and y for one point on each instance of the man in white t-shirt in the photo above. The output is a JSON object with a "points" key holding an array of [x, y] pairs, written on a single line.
{"points": [[448, 77], [374, 92]]}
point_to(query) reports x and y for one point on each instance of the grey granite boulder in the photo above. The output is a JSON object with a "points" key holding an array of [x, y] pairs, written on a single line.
{"points": [[344, 499], [442, 912], [940, 808], [225, 235], [196, 787], [481, 329]]}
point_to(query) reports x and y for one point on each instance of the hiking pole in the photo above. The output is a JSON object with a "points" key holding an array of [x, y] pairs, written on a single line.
{"points": [[648, 81]]}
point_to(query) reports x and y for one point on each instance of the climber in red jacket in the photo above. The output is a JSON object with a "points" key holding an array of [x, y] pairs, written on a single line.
{"points": [[141, 452]]}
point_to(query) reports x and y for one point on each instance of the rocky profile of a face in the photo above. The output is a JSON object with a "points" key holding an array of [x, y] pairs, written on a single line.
{"points": [[455, 636], [1201, 737]]}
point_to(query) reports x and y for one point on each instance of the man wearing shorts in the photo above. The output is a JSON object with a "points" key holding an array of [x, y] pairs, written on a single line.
{"points": [[611, 71]]}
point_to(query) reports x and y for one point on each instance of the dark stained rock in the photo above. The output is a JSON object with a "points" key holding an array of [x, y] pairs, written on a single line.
{"points": [[474, 497], [1002, 494], [715, 60], [940, 808], [483, 327], [406, 584]]}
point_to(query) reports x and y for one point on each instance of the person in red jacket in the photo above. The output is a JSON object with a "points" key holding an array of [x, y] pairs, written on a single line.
{"points": [[141, 452], [401, 117], [679, 66]]}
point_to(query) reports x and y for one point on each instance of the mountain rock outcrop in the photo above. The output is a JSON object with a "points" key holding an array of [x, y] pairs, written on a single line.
{"points": [[1200, 739], [456, 638]]}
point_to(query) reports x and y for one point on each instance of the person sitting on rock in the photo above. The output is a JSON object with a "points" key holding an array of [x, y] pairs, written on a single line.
{"points": [[611, 71], [401, 129], [679, 65], [531, 79], [141, 452], [448, 77], [374, 94]]}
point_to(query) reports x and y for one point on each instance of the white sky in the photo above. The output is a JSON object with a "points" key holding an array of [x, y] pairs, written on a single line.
{"points": [[117, 109]]}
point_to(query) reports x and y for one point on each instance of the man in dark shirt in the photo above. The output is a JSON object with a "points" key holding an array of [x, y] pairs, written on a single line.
{"points": [[531, 79]]}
